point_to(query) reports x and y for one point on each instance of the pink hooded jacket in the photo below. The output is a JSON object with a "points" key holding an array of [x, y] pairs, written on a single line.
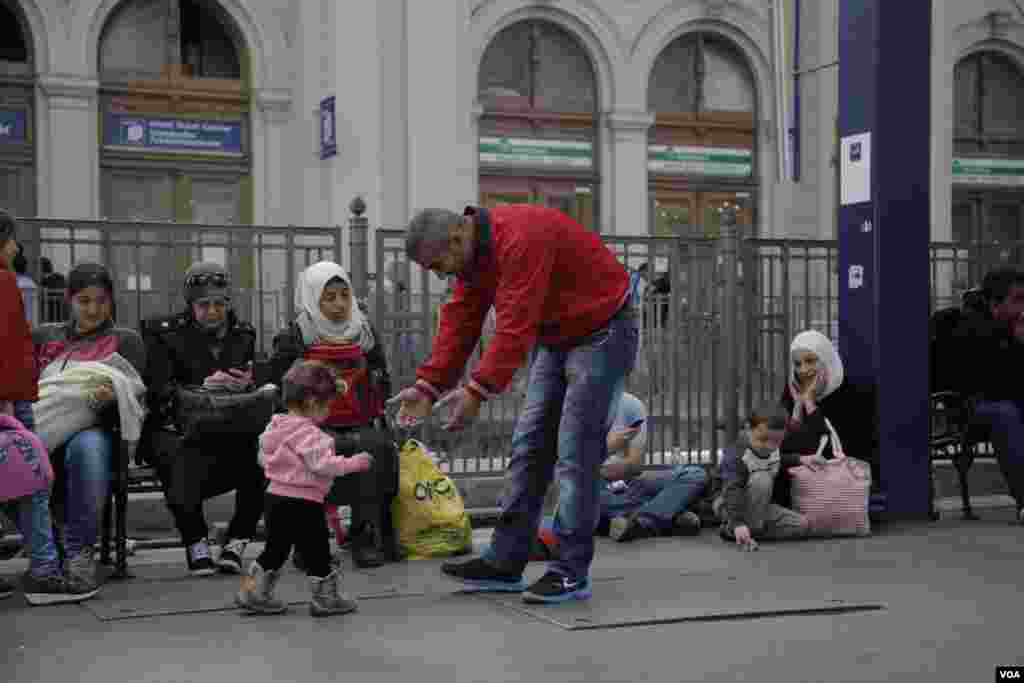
{"points": [[299, 459]]}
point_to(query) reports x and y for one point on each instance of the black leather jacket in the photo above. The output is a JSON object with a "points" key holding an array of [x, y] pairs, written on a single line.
{"points": [[182, 353]]}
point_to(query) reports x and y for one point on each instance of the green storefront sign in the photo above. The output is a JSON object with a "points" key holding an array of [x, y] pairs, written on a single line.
{"points": [[525, 152], [999, 172], [710, 161]]}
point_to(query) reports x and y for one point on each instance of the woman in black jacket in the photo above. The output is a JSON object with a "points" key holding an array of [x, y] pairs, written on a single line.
{"points": [[331, 327], [185, 350], [818, 389]]}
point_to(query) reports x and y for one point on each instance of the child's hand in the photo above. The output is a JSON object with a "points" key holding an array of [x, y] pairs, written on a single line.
{"points": [[360, 462], [743, 538]]}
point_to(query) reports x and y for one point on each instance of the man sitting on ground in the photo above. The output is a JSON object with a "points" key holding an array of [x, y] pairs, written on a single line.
{"points": [[654, 504]]}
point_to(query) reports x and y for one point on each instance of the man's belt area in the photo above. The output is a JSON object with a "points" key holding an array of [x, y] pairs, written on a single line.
{"points": [[627, 311]]}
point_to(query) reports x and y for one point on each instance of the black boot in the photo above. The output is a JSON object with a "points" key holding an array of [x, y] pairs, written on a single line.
{"points": [[365, 553]]}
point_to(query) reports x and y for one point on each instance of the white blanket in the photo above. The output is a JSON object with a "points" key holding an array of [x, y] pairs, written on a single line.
{"points": [[64, 408]]}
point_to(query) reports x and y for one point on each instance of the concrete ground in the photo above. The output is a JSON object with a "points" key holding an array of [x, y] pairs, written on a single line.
{"points": [[915, 602]]}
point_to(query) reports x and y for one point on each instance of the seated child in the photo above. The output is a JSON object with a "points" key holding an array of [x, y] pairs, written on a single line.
{"points": [[25, 480], [748, 471], [300, 462]]}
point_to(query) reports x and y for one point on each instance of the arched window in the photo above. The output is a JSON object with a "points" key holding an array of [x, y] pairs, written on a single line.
{"points": [[17, 77], [988, 149], [175, 120], [701, 155], [538, 135]]}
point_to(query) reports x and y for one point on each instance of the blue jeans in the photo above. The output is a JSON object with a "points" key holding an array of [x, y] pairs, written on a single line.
{"points": [[31, 514], [88, 463], [1003, 418], [23, 413], [657, 498], [562, 431]]}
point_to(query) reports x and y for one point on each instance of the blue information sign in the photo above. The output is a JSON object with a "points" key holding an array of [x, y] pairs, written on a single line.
{"points": [[328, 129], [173, 135], [12, 126]]}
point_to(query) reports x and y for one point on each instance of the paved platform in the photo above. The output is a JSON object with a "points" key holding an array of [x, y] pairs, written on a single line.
{"points": [[917, 602]]}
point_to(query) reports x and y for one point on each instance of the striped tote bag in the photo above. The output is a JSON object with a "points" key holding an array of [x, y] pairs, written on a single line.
{"points": [[834, 494]]}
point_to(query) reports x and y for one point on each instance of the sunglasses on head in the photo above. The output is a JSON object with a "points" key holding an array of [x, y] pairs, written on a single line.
{"points": [[219, 280]]}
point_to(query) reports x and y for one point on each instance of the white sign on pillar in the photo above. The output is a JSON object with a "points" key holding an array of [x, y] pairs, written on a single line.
{"points": [[855, 169]]}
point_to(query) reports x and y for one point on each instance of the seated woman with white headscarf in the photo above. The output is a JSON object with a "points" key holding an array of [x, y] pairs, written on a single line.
{"points": [[332, 327], [818, 390]]}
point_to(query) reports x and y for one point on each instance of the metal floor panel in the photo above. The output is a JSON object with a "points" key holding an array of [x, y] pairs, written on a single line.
{"points": [[666, 596]]}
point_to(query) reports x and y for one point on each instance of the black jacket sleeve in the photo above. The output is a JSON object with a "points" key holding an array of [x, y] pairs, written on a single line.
{"points": [[159, 375], [377, 361], [287, 348]]}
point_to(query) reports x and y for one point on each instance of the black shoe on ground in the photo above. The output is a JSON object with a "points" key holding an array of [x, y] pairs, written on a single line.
{"points": [[6, 588], [553, 588], [625, 529], [686, 523], [200, 562], [55, 590], [365, 554], [726, 535], [231, 554], [480, 577]]}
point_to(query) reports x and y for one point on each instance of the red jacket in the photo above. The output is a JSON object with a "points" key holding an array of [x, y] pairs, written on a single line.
{"points": [[17, 358], [549, 279]]}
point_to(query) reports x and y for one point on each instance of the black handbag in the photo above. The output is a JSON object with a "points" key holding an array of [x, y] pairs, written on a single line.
{"points": [[200, 412]]}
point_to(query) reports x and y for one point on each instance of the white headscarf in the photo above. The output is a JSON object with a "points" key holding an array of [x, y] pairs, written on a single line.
{"points": [[828, 360], [314, 325]]}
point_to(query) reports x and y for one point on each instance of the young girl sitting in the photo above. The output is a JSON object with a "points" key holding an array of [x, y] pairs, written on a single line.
{"points": [[748, 472], [301, 464]]}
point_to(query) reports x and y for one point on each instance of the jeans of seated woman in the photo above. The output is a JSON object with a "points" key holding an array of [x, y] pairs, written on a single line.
{"points": [[657, 497], [1003, 418], [86, 469], [31, 514]]}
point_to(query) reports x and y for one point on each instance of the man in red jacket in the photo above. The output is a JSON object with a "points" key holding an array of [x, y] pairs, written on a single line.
{"points": [[559, 292]]}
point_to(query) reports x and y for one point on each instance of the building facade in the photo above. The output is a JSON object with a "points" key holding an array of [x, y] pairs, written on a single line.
{"points": [[635, 116]]}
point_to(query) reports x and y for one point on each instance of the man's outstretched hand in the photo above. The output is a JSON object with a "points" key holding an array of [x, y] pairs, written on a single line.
{"points": [[413, 406]]}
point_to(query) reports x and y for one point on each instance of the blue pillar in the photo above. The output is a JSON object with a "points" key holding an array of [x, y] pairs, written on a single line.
{"points": [[884, 230]]}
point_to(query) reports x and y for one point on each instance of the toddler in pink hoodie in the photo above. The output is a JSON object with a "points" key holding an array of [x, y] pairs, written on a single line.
{"points": [[300, 463]]}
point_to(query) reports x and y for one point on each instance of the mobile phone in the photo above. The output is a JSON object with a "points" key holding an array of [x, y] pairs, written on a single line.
{"points": [[636, 424]]}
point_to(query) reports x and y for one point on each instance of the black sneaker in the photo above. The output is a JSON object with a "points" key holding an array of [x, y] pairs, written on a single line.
{"points": [[54, 590], [553, 588], [200, 563], [6, 588], [480, 577], [625, 529], [686, 523], [230, 560]]}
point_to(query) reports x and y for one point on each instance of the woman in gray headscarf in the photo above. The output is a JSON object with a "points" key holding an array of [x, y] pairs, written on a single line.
{"points": [[332, 327]]}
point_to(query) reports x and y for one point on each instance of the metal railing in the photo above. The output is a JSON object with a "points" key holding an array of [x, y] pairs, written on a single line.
{"points": [[148, 260], [715, 332]]}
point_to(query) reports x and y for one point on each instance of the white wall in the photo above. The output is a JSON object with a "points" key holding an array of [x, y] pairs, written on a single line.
{"points": [[404, 74]]}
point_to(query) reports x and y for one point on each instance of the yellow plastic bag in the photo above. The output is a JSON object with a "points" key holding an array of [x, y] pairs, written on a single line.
{"points": [[429, 515]]}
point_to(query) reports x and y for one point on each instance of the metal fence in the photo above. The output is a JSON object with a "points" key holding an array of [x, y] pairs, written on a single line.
{"points": [[712, 345], [711, 348], [148, 262]]}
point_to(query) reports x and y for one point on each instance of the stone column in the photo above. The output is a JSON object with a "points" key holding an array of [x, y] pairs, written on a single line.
{"points": [[625, 179], [73, 187], [269, 159]]}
